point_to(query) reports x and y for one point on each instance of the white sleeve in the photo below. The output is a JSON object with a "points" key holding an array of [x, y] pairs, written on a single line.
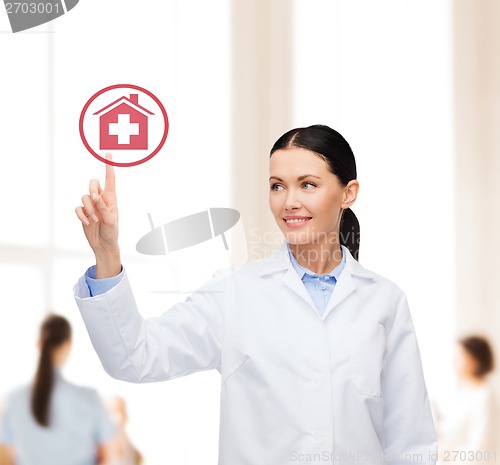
{"points": [[184, 339], [409, 433]]}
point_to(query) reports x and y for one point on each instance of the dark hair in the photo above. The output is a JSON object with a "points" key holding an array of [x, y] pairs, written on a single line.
{"points": [[336, 152], [55, 330], [480, 350]]}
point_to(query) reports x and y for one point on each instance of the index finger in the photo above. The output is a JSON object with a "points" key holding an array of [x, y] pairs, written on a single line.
{"points": [[109, 184]]}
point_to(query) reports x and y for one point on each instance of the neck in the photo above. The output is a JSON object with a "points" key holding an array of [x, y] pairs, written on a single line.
{"points": [[472, 380], [320, 258]]}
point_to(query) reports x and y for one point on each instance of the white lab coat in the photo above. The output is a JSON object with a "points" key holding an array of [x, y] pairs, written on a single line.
{"points": [[344, 388]]}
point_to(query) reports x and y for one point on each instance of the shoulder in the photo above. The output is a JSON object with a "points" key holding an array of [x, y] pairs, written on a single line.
{"points": [[225, 276], [18, 394], [368, 282], [16, 401], [380, 290], [275, 261], [376, 279], [84, 393], [489, 390]]}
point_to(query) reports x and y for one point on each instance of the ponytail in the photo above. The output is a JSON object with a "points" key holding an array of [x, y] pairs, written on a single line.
{"points": [[54, 332], [349, 232]]}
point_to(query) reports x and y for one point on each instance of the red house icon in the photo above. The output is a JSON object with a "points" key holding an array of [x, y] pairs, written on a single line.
{"points": [[123, 125]]}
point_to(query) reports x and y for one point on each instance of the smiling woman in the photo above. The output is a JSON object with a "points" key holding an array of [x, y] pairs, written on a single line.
{"points": [[307, 341], [310, 208]]}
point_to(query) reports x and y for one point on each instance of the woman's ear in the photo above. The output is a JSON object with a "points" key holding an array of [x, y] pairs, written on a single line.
{"points": [[350, 193]]}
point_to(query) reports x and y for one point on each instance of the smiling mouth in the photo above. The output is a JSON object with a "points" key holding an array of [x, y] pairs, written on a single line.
{"points": [[296, 220]]}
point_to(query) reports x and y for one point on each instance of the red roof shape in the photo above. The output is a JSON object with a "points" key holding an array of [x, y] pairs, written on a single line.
{"points": [[127, 101]]}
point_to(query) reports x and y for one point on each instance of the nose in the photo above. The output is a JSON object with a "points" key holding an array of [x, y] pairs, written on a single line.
{"points": [[291, 201]]}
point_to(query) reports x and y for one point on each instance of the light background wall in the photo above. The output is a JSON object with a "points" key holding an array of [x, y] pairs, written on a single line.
{"points": [[410, 84]]}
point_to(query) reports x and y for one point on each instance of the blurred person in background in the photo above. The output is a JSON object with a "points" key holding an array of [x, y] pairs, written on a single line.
{"points": [[51, 421], [4, 458], [123, 452], [467, 422]]}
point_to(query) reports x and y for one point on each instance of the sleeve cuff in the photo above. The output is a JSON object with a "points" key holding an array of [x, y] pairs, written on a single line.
{"points": [[101, 286]]}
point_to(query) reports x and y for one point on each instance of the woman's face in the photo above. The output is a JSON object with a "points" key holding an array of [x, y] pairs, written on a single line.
{"points": [[303, 187]]}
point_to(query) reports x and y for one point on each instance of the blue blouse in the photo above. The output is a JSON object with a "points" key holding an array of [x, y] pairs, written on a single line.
{"points": [[320, 287], [78, 422]]}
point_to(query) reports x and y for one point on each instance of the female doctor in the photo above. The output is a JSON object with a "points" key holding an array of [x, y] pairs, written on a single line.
{"points": [[318, 357]]}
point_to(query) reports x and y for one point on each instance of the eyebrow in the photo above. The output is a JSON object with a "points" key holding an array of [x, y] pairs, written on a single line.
{"points": [[300, 178]]}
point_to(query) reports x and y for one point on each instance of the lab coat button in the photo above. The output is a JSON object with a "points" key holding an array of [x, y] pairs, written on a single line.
{"points": [[319, 379]]}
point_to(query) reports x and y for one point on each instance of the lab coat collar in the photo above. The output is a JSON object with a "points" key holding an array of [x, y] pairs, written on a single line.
{"points": [[279, 260]]}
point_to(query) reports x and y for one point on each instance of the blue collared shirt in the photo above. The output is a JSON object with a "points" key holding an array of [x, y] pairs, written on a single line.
{"points": [[320, 287], [101, 286]]}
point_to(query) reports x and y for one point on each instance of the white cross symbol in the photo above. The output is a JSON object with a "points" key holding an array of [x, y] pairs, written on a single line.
{"points": [[124, 129]]}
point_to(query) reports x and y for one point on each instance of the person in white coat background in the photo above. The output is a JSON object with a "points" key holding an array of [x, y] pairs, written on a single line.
{"points": [[467, 420], [318, 357]]}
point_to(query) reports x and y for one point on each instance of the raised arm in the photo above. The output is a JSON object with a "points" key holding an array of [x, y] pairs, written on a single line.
{"points": [[186, 338]]}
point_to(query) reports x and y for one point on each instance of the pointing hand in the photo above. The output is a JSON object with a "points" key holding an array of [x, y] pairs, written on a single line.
{"points": [[99, 217]]}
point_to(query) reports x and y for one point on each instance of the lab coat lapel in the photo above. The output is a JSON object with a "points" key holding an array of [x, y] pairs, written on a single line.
{"points": [[279, 261], [346, 284], [343, 288], [291, 279]]}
